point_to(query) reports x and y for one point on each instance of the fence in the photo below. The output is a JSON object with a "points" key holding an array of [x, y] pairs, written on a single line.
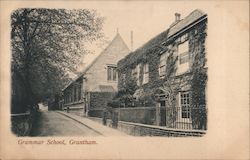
{"points": [[21, 123], [186, 118], [190, 118]]}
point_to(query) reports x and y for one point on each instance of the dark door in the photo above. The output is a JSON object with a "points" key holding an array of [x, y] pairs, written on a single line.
{"points": [[162, 113]]}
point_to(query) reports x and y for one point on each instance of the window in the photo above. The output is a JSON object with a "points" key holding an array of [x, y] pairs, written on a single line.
{"points": [[112, 73], [75, 94], [79, 92], [185, 105], [183, 52], [162, 65], [145, 73], [136, 73], [183, 64]]}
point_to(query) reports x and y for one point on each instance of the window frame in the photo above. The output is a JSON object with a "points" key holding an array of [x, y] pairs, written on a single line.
{"points": [[112, 74], [185, 106], [162, 65], [184, 53], [135, 73]]}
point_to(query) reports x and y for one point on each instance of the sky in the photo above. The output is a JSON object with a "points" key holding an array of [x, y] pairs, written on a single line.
{"points": [[145, 19]]}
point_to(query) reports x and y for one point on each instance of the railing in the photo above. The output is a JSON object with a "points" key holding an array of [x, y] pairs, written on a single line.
{"points": [[186, 118], [21, 123]]}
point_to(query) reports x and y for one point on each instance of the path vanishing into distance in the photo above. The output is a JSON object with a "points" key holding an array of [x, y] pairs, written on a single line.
{"points": [[52, 123]]}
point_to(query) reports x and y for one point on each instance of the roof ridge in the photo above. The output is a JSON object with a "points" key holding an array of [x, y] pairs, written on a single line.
{"points": [[95, 59]]}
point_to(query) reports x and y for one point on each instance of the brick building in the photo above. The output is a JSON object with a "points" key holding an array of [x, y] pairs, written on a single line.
{"points": [[97, 83], [173, 62]]}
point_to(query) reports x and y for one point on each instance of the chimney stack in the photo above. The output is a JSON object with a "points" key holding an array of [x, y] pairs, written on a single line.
{"points": [[177, 17], [131, 40]]}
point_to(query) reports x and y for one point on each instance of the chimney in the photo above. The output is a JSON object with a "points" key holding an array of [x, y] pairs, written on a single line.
{"points": [[177, 17], [131, 36]]}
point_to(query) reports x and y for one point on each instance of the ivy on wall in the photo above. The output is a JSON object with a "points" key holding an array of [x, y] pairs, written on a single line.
{"points": [[195, 79]]}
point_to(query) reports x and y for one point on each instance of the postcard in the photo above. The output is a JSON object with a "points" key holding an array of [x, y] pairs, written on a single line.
{"points": [[124, 79]]}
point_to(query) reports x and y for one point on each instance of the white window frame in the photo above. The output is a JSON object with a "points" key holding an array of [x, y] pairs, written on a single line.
{"points": [[113, 70], [184, 103], [183, 63]]}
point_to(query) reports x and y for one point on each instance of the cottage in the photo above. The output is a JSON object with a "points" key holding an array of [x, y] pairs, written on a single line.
{"points": [[170, 73], [90, 91]]}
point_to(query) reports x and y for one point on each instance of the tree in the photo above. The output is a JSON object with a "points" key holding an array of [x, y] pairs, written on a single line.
{"points": [[47, 44]]}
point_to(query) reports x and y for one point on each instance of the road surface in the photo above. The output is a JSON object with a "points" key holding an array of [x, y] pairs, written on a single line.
{"points": [[50, 123]]}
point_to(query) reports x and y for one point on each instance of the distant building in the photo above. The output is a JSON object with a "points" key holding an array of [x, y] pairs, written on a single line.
{"points": [[98, 82], [185, 38]]}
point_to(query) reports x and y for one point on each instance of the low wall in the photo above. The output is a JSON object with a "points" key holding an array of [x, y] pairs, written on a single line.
{"points": [[95, 113], [137, 129], [144, 115], [75, 108], [100, 120], [21, 124]]}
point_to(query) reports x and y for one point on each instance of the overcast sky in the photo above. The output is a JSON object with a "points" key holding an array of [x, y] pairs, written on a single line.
{"points": [[145, 19], [149, 18]]}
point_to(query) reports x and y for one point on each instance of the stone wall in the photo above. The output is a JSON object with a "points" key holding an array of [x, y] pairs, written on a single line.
{"points": [[95, 113], [144, 115], [75, 108], [137, 129]]}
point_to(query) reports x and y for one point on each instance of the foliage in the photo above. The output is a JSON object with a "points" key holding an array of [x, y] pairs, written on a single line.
{"points": [[199, 82], [47, 44], [125, 97], [169, 89]]}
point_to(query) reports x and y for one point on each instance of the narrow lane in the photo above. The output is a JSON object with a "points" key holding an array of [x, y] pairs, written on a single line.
{"points": [[50, 123]]}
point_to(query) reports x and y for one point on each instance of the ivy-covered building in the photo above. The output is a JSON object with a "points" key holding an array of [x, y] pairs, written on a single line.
{"points": [[170, 73]]}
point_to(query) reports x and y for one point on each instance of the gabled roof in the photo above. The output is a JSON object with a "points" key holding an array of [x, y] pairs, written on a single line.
{"points": [[162, 37], [117, 40]]}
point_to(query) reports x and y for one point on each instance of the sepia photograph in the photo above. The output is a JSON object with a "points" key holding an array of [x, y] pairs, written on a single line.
{"points": [[124, 80], [158, 89]]}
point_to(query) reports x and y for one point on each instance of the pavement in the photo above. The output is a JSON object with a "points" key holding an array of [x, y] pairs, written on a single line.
{"points": [[51, 123], [97, 127]]}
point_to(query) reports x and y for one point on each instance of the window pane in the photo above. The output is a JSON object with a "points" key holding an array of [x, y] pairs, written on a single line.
{"points": [[114, 74], [183, 47], [109, 73], [185, 105]]}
